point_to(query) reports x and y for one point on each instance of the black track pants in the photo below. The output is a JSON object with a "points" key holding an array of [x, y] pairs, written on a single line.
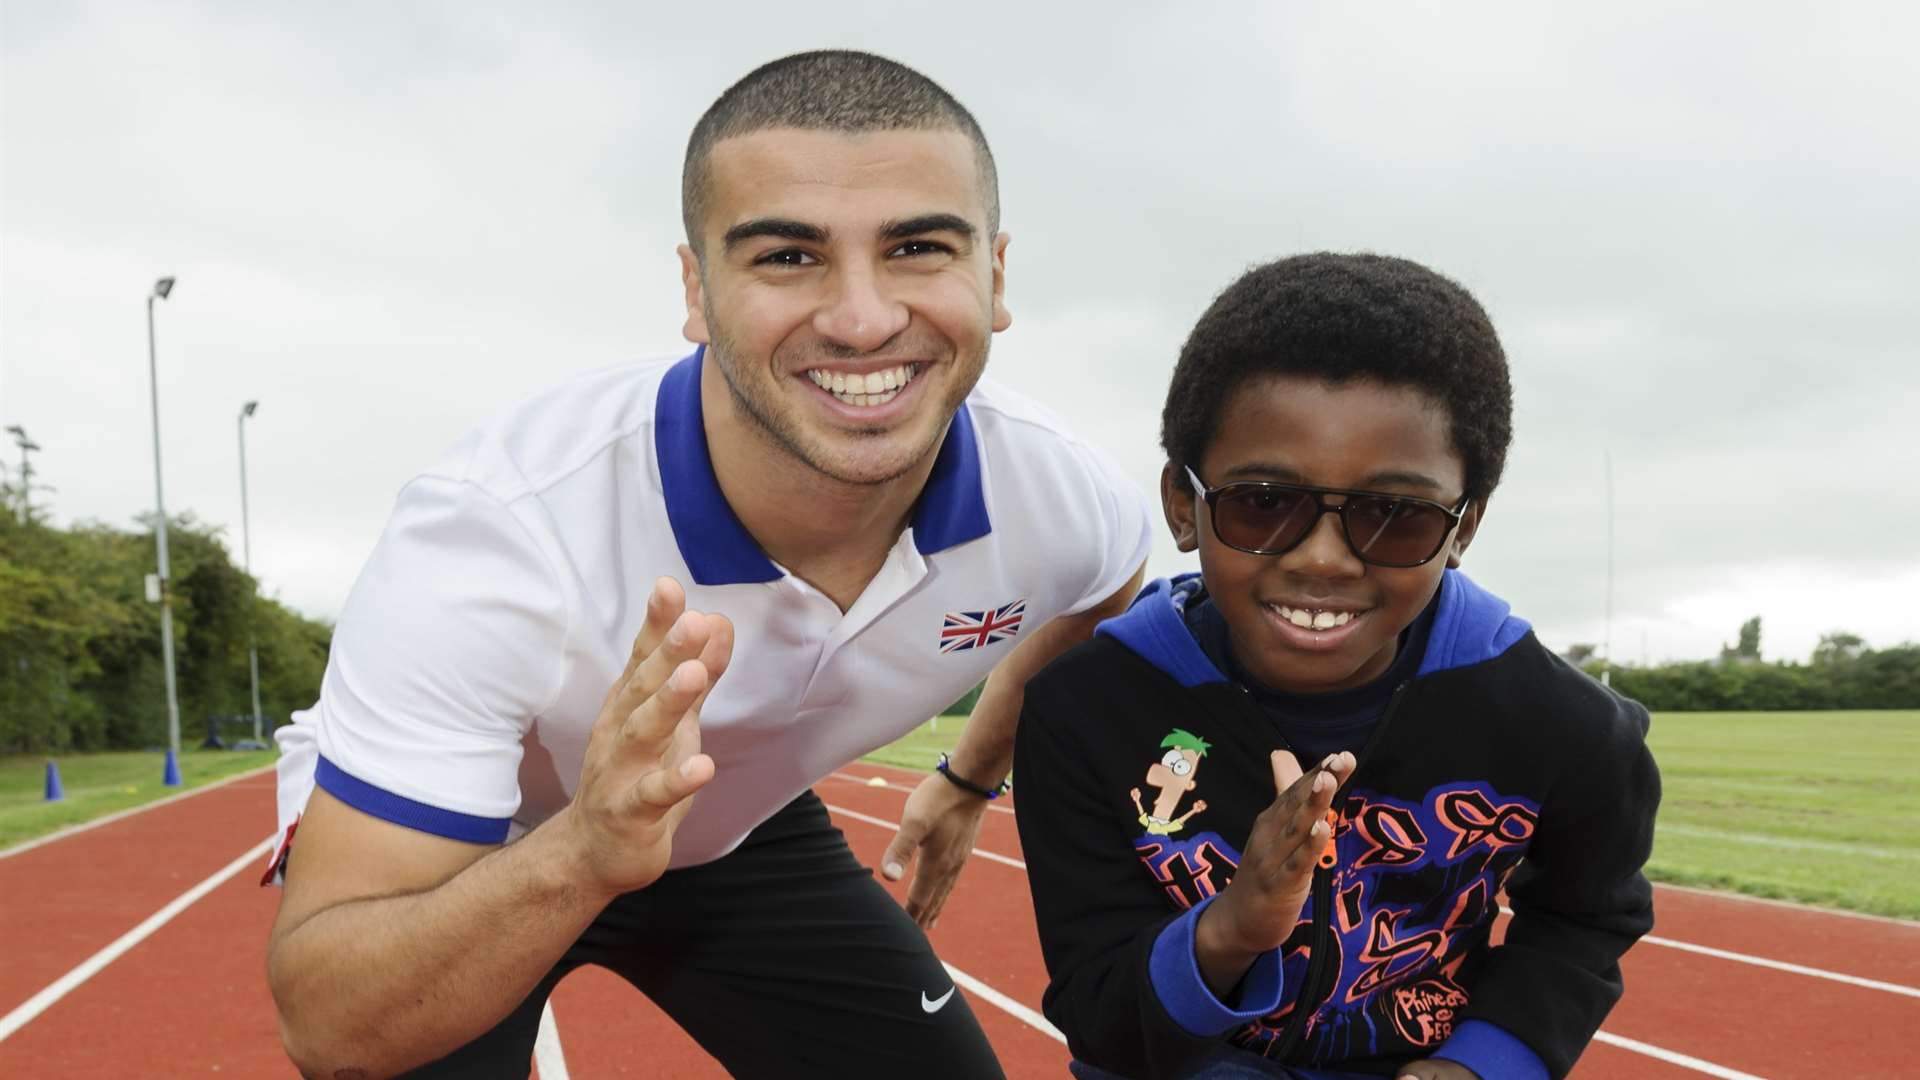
{"points": [[784, 959]]}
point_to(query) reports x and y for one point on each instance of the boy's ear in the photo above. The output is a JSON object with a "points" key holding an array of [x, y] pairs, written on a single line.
{"points": [[1178, 506], [1463, 535]]}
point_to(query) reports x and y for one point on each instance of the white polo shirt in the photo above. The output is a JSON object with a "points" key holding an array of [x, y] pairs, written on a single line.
{"points": [[501, 603]]}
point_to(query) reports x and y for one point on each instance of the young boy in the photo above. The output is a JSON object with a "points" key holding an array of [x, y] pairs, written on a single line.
{"points": [[1333, 430]]}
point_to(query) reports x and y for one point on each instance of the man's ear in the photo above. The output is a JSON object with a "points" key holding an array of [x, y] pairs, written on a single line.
{"points": [[695, 329], [1002, 318], [1463, 535], [1178, 507]]}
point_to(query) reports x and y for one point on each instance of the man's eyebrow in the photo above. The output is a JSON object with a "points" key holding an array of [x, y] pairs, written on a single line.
{"points": [[927, 223], [779, 228]]}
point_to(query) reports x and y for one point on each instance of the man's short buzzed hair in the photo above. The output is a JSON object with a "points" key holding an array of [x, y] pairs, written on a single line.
{"points": [[829, 90]]}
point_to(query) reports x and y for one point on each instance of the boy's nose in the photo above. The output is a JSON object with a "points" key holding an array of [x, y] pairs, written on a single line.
{"points": [[1324, 553]]}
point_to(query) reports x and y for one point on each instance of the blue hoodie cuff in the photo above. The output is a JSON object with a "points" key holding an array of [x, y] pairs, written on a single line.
{"points": [[1492, 1052], [1183, 992]]}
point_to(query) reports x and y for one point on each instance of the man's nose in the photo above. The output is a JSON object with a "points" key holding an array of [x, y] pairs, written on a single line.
{"points": [[859, 314]]}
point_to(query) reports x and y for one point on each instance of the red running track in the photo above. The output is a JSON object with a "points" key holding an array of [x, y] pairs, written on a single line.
{"points": [[190, 1000]]}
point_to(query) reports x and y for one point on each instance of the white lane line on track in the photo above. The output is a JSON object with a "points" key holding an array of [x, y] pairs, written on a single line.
{"points": [[1777, 965], [1811, 909], [546, 1047], [1672, 1058], [885, 824], [65, 984], [1650, 939], [1781, 965], [1029, 1017], [29, 845], [890, 786], [1669, 1056]]}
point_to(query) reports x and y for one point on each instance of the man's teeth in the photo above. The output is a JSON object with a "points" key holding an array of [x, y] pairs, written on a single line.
{"points": [[1314, 620], [872, 388]]}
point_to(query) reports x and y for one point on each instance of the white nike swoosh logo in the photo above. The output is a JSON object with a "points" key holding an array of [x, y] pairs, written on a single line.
{"points": [[934, 1005]]}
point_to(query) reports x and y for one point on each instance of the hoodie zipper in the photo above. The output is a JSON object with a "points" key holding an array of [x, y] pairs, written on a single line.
{"points": [[1310, 987]]}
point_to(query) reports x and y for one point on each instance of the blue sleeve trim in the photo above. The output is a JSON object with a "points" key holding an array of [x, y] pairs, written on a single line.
{"points": [[1492, 1052], [401, 810], [1183, 992]]}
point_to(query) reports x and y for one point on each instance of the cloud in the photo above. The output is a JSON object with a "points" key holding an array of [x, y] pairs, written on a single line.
{"points": [[1693, 227]]}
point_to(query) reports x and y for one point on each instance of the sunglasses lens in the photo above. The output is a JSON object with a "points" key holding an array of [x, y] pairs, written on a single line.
{"points": [[1262, 518], [1395, 532]]}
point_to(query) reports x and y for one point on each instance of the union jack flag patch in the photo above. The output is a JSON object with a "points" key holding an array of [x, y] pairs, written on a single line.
{"points": [[965, 630]]}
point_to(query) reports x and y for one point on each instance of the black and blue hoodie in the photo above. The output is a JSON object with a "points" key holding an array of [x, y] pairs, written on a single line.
{"points": [[1495, 765]]}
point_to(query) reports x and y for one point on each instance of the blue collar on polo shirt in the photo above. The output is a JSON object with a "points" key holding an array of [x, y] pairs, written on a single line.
{"points": [[719, 550]]}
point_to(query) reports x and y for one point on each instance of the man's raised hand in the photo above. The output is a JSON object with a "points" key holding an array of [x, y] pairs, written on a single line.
{"points": [[643, 760]]}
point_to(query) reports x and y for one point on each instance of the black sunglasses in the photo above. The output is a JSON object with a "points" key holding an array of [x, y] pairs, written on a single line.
{"points": [[1264, 518]]}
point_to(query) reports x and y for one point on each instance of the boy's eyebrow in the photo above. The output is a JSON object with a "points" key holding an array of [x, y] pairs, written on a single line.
{"points": [[926, 223], [779, 228], [1264, 470]]}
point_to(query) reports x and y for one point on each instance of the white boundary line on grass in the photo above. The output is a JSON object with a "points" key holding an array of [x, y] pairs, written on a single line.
{"points": [[1023, 1013], [90, 967], [71, 830]]}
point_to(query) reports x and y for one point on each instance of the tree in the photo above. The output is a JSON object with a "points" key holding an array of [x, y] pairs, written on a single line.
{"points": [[1838, 647], [1748, 651], [1579, 653]]}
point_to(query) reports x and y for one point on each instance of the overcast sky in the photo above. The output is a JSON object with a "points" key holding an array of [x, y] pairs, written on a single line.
{"points": [[1695, 226]]}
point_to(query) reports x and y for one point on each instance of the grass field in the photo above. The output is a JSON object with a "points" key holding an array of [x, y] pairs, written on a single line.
{"points": [[1819, 807], [99, 784]]}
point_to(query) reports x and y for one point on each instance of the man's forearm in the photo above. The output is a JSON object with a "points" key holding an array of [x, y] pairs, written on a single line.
{"points": [[373, 987]]}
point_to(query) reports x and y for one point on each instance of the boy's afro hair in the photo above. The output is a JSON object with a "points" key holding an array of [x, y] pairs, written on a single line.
{"points": [[1341, 318]]}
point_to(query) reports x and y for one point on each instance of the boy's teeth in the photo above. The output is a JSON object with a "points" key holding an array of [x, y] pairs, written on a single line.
{"points": [[871, 388], [1314, 620]]}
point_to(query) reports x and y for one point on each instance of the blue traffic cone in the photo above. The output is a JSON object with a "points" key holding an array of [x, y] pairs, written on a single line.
{"points": [[55, 790], [172, 776]]}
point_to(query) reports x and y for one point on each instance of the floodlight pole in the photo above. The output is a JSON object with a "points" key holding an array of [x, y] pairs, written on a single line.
{"points": [[246, 548], [1606, 648], [160, 290]]}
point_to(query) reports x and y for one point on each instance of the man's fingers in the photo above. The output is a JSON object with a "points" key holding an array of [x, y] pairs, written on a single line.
{"points": [[664, 605], [684, 640], [717, 654], [928, 894], [899, 854], [660, 790], [651, 724]]}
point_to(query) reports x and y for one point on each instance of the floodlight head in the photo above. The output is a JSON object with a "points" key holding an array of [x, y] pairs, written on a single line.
{"points": [[162, 287], [247, 409]]}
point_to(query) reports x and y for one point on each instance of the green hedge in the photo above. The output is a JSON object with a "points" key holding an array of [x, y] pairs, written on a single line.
{"points": [[80, 656]]}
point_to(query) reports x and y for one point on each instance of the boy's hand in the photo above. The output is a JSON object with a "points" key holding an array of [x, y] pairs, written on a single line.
{"points": [[1435, 1069], [643, 760], [1257, 912]]}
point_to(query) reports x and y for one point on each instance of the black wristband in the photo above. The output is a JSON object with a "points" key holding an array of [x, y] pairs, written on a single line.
{"points": [[945, 768]]}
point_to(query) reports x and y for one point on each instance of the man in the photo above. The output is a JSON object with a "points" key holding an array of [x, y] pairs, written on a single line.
{"points": [[800, 516]]}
